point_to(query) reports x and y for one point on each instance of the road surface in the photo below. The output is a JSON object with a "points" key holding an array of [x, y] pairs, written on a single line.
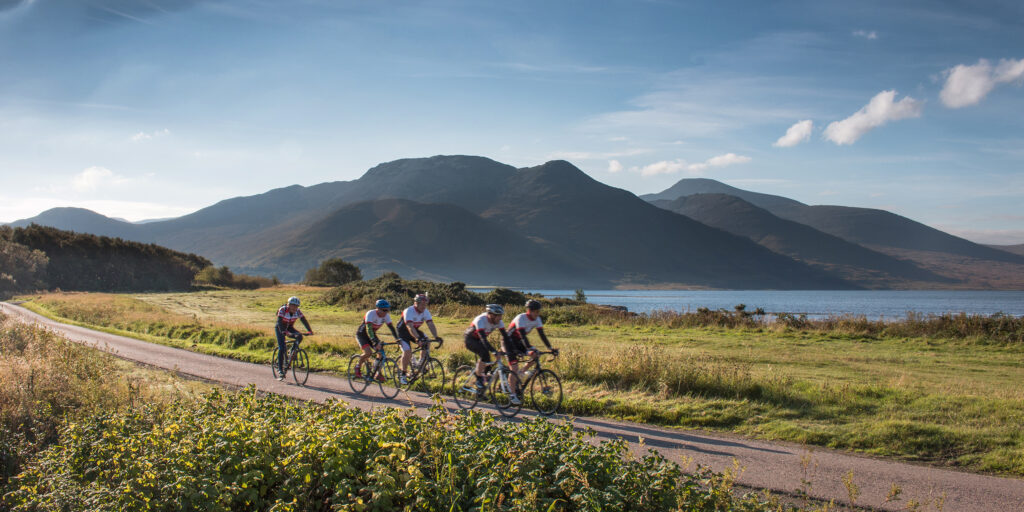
{"points": [[780, 467]]}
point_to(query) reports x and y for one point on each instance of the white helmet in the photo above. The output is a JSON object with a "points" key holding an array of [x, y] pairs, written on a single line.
{"points": [[293, 300]]}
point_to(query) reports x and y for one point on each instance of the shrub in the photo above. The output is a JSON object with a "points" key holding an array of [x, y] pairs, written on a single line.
{"points": [[333, 272], [21, 268], [244, 452], [223, 277]]}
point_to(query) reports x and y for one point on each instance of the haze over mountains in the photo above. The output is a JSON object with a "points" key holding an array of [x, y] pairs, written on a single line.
{"points": [[476, 220]]}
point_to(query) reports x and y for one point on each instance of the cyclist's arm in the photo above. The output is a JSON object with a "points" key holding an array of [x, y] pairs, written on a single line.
{"points": [[433, 330], [543, 337], [306, 323], [394, 332]]}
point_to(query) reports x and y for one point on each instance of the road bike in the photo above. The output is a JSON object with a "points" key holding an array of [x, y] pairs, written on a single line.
{"points": [[467, 394], [426, 373], [295, 360], [381, 368], [543, 385]]}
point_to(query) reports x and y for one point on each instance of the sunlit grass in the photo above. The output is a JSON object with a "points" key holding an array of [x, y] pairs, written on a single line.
{"points": [[953, 401]]}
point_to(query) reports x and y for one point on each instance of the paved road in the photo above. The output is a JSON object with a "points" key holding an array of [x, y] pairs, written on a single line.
{"points": [[780, 467]]}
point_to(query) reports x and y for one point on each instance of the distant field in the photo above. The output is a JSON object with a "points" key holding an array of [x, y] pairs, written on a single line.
{"points": [[949, 402]]}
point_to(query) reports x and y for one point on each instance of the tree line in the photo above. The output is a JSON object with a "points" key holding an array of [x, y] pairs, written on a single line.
{"points": [[42, 257]]}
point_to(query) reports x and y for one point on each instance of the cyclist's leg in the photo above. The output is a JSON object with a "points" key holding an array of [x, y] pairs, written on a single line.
{"points": [[366, 345], [483, 355], [511, 350], [406, 345], [280, 348]]}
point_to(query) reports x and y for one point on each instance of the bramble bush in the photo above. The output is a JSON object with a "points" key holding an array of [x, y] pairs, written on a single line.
{"points": [[239, 451]]}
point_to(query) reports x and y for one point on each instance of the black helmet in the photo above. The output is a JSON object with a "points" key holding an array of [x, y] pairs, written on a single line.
{"points": [[532, 304]]}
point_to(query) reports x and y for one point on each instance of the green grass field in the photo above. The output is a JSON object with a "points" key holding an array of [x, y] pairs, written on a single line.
{"points": [[957, 402]]}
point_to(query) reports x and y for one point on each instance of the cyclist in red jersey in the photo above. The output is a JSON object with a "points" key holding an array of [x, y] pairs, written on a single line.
{"points": [[285, 327]]}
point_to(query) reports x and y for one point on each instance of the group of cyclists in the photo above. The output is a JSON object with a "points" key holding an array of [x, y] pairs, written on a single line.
{"points": [[514, 340]]}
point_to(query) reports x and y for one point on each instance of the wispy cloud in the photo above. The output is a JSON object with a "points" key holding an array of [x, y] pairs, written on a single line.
{"points": [[866, 34], [614, 166], [967, 85], [678, 165], [147, 136], [592, 155], [799, 132], [879, 111]]}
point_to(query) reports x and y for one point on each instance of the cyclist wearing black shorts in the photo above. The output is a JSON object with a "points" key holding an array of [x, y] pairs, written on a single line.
{"points": [[285, 327], [518, 344], [366, 335], [476, 338], [409, 331]]}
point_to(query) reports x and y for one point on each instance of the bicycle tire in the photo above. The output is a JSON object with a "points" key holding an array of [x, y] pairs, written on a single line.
{"points": [[389, 386], [273, 364], [300, 367], [430, 377], [501, 399], [358, 384], [464, 387], [546, 392]]}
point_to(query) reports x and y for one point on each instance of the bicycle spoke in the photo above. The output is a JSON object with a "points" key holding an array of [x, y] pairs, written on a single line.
{"points": [[546, 392], [464, 387], [357, 383]]}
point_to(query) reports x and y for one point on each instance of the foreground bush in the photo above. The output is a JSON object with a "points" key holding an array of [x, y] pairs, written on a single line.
{"points": [[46, 380], [243, 452]]}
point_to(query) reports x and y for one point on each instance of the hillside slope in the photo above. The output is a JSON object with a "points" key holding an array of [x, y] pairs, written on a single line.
{"points": [[851, 261], [612, 228]]}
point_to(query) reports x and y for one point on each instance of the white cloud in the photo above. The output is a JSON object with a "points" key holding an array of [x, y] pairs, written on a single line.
{"points": [[718, 161], [663, 167], [866, 34], [879, 111], [796, 134], [614, 166], [141, 136], [91, 178], [967, 85], [677, 165]]}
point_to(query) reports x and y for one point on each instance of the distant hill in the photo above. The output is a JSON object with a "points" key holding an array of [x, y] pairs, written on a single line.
{"points": [[608, 227], [1015, 249], [81, 220], [691, 186], [566, 224], [851, 261], [429, 241]]}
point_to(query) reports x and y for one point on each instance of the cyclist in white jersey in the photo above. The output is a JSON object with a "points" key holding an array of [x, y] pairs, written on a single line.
{"points": [[409, 331], [366, 334], [518, 344], [476, 339]]}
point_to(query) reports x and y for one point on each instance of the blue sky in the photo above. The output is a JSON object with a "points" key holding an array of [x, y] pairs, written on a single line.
{"points": [[145, 109]]}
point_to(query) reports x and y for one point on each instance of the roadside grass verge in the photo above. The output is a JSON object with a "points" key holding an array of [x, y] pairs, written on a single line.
{"points": [[47, 380], [946, 401]]}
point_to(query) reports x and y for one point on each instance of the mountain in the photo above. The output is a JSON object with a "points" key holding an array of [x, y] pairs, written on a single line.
{"points": [[81, 220], [973, 265], [430, 241], [559, 205], [851, 261], [691, 186], [1015, 249]]}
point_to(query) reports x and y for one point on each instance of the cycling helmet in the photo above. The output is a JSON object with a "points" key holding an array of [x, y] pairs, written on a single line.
{"points": [[293, 300], [532, 304], [421, 297], [383, 304], [495, 309]]}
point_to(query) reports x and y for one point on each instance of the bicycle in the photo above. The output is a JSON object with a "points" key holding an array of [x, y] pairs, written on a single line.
{"points": [[467, 394], [544, 385], [296, 360], [425, 371], [383, 369]]}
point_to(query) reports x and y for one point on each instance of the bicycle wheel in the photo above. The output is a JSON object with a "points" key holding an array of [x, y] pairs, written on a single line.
{"points": [[501, 395], [430, 378], [273, 365], [358, 384], [389, 386], [464, 387], [546, 392], [300, 367]]}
